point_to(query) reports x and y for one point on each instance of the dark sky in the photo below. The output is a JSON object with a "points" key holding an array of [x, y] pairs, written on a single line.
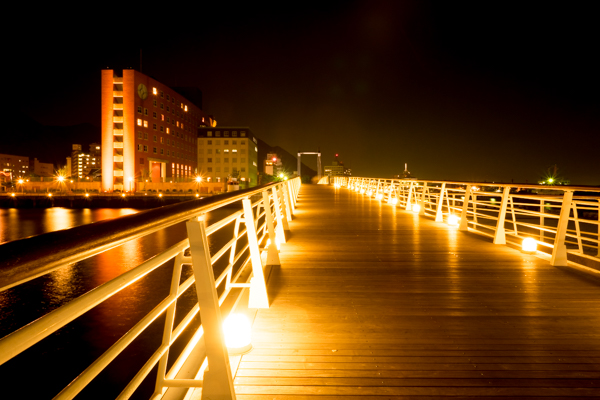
{"points": [[459, 90]]}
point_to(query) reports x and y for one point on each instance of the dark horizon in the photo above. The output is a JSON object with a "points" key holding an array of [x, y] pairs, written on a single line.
{"points": [[461, 91]]}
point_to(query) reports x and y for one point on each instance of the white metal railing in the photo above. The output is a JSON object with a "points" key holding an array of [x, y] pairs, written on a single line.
{"points": [[560, 221], [260, 218]]}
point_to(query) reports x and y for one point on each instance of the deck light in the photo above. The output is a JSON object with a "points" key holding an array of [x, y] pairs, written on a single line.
{"points": [[453, 220], [529, 245], [87, 195], [160, 195], [123, 195], [393, 201], [12, 194], [362, 191], [49, 194], [379, 196], [197, 195], [238, 334], [416, 208]]}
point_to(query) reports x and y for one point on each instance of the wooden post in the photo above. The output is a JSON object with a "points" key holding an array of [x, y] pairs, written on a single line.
{"points": [[217, 382], [422, 210], [439, 215], [559, 252], [500, 235], [258, 286], [286, 201], [464, 223]]}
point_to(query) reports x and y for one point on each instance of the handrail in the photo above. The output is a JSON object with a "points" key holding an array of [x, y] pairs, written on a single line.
{"points": [[501, 209], [254, 223], [29, 258]]}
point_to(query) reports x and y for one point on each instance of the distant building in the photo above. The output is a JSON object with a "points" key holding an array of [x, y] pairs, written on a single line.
{"points": [[336, 168], [40, 168], [149, 131], [15, 166], [228, 152], [273, 164]]}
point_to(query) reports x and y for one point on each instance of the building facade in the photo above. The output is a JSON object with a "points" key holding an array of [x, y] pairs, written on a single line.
{"points": [[149, 132], [228, 152], [14, 165]]}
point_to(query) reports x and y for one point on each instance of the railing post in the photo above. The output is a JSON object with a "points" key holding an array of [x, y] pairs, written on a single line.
{"points": [[464, 223], [217, 382], [408, 200], [439, 215], [500, 234], [292, 196], [598, 236], [272, 252], [286, 202], [422, 210], [258, 287], [282, 223], [559, 252]]}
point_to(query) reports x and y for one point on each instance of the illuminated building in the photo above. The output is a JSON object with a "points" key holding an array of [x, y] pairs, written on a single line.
{"points": [[15, 166], [273, 164], [336, 168], [149, 132], [228, 152]]}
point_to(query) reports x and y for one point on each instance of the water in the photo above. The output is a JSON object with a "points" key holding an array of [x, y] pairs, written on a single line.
{"points": [[53, 363]]}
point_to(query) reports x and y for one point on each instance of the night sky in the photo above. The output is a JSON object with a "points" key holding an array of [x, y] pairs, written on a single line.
{"points": [[494, 91]]}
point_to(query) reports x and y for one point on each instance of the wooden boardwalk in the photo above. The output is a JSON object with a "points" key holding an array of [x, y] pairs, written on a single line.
{"points": [[376, 302]]}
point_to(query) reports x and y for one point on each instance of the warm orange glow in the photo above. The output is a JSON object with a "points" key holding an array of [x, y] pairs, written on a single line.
{"points": [[160, 195], [49, 194], [453, 220], [198, 179], [87, 195], [154, 91], [20, 181], [123, 195], [12, 194], [529, 245]]}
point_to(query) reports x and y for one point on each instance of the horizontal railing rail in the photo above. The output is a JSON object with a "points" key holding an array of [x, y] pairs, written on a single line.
{"points": [[265, 213], [563, 219]]}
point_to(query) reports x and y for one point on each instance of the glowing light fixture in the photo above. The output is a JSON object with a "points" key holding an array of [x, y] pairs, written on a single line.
{"points": [[49, 194], [238, 334], [416, 208], [198, 179], [529, 245], [160, 195], [453, 220], [197, 195], [123, 195], [60, 178], [12, 194], [362, 191], [394, 201], [379, 196], [87, 195], [20, 181]]}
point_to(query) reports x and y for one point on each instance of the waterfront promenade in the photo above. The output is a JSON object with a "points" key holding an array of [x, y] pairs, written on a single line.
{"points": [[374, 301]]}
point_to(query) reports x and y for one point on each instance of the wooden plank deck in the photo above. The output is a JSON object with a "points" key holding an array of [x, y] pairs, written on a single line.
{"points": [[376, 302]]}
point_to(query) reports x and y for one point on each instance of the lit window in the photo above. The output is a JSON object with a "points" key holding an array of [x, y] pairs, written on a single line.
{"points": [[154, 91], [185, 108], [139, 122], [162, 140], [234, 151], [178, 124], [145, 124]]}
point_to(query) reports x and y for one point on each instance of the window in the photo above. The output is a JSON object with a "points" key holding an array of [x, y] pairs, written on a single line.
{"points": [[139, 109], [218, 142], [218, 160], [217, 151], [218, 133], [201, 160], [139, 122], [145, 148], [243, 160], [243, 143], [145, 136], [167, 97], [162, 129], [209, 169], [154, 126], [226, 159], [140, 135], [145, 111], [209, 159], [243, 134], [162, 95], [234, 151], [162, 106], [154, 102], [234, 134], [145, 124], [162, 140], [209, 133], [209, 151], [154, 114], [234, 160], [226, 134], [226, 169], [168, 131], [142, 160], [243, 151], [154, 150], [226, 151], [218, 170], [155, 138], [178, 125], [225, 141], [243, 169], [209, 142], [139, 147], [162, 151], [234, 142], [168, 109]]}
